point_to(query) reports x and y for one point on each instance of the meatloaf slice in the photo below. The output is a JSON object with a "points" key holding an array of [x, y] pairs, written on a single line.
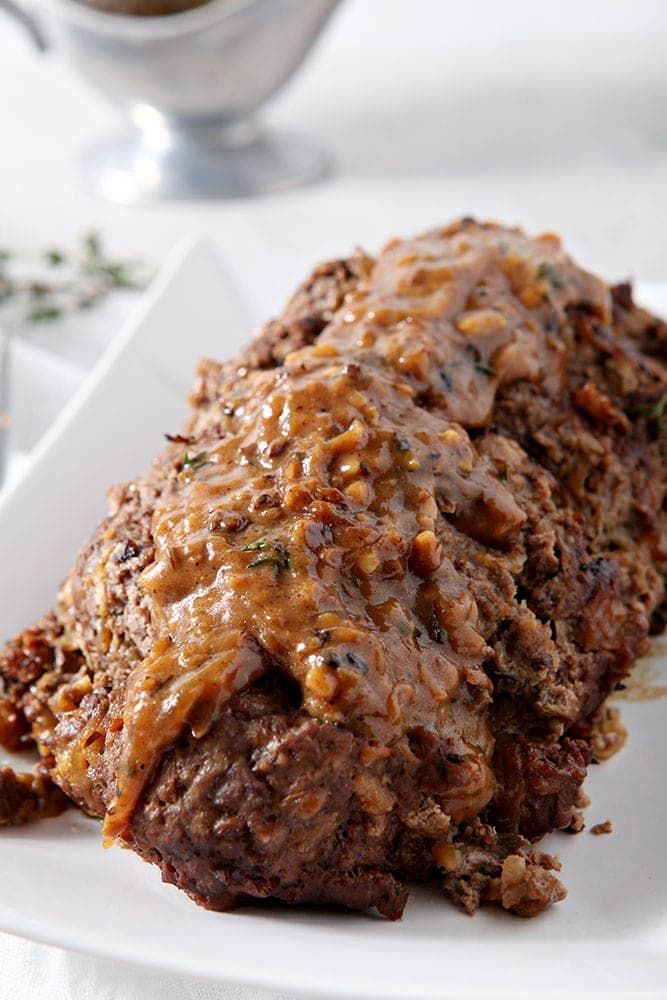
{"points": [[359, 622]]}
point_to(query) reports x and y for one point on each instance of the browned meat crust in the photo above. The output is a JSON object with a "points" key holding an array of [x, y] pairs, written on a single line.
{"points": [[27, 797], [540, 580], [276, 791]]}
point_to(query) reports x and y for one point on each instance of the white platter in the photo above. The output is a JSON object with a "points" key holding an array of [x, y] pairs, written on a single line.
{"points": [[57, 884]]}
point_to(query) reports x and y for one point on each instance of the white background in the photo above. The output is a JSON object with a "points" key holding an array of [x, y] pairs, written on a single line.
{"points": [[552, 115], [549, 115]]}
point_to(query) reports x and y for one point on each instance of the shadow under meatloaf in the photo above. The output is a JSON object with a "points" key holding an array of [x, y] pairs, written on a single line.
{"points": [[269, 801]]}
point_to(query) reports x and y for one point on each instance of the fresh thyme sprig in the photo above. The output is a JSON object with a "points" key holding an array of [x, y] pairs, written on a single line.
{"points": [[63, 282]]}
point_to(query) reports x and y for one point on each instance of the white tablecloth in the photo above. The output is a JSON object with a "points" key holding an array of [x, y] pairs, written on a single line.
{"points": [[548, 115], [34, 972]]}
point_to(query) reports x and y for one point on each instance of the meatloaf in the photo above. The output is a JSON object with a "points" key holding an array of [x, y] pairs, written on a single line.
{"points": [[358, 624]]}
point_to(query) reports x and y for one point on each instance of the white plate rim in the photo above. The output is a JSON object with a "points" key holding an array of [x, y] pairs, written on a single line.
{"points": [[300, 980]]}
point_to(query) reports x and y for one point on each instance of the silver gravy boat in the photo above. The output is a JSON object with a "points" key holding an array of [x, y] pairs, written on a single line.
{"points": [[189, 85]]}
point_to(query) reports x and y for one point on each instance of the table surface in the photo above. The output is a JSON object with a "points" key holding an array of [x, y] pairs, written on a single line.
{"points": [[551, 116]]}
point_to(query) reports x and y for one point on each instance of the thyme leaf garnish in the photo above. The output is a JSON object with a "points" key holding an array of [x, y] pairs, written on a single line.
{"points": [[43, 314], [196, 462], [480, 364], [276, 559], [54, 257], [485, 369], [547, 272], [653, 412], [441, 635], [446, 380], [273, 554], [401, 443]]}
